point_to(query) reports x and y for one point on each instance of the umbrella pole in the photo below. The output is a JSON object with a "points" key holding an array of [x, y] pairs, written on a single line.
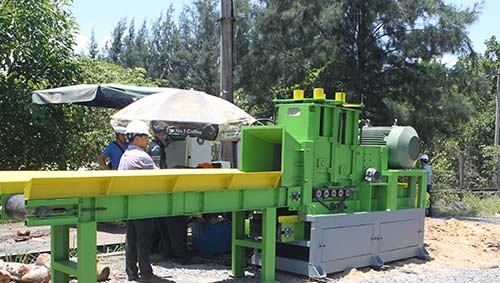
{"points": [[186, 158]]}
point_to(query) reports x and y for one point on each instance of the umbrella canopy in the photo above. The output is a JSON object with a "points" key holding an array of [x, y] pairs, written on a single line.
{"points": [[187, 113], [108, 95]]}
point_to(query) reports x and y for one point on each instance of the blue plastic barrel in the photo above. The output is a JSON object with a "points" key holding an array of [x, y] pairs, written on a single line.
{"points": [[210, 239]]}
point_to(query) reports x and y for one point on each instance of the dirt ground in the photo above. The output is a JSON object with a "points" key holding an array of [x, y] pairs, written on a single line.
{"points": [[450, 242], [463, 243], [37, 239]]}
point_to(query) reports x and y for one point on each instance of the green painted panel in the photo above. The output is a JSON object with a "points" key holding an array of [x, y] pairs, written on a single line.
{"points": [[261, 148], [322, 162], [113, 208]]}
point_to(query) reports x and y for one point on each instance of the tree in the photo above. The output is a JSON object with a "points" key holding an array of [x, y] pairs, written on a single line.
{"points": [[353, 46], [93, 47], [36, 40], [475, 76], [116, 49], [35, 34], [249, 63], [426, 93], [184, 54], [130, 57], [284, 51], [381, 39], [469, 85], [141, 47], [161, 45], [202, 18], [85, 131]]}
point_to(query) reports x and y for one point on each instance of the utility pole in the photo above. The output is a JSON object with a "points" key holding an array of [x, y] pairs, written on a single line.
{"points": [[497, 116], [226, 68]]}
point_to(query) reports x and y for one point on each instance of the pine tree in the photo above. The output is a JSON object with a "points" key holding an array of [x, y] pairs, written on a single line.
{"points": [[141, 47], [117, 46], [205, 35], [129, 55], [93, 47], [161, 45]]}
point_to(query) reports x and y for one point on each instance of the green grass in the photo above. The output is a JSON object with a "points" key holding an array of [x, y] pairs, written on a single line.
{"points": [[24, 258], [115, 248], [466, 204], [485, 205]]}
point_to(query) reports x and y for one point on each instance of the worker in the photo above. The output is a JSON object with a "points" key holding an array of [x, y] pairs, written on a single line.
{"points": [[172, 230], [158, 145], [424, 159], [139, 234], [114, 151]]}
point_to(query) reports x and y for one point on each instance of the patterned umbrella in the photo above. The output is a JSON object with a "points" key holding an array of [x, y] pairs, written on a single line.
{"points": [[185, 113]]}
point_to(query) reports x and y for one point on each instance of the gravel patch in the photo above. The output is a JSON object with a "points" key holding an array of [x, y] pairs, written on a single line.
{"points": [[202, 270], [399, 272]]}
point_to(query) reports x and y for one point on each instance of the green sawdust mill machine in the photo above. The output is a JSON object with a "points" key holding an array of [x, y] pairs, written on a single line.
{"points": [[354, 198], [321, 194]]}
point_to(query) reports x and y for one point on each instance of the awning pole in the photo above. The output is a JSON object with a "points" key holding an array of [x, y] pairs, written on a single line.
{"points": [[186, 158]]}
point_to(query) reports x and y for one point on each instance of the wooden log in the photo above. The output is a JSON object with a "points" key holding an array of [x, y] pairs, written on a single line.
{"points": [[4, 276], [102, 272], [15, 269], [21, 272], [37, 274], [43, 260]]}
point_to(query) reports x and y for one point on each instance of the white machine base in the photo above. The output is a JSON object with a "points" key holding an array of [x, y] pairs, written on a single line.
{"points": [[340, 242]]}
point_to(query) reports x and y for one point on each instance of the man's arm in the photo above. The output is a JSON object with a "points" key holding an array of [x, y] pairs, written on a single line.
{"points": [[146, 162], [102, 161]]}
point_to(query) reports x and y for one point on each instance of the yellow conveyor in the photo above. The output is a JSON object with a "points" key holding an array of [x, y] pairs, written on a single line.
{"points": [[62, 184]]}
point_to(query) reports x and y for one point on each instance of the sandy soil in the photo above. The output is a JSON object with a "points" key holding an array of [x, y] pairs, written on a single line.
{"points": [[450, 242], [463, 243]]}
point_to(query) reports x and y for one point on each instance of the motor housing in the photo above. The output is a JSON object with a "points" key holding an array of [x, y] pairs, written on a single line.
{"points": [[402, 142]]}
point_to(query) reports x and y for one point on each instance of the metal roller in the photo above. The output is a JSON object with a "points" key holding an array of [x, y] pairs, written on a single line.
{"points": [[318, 193], [14, 207], [333, 193], [340, 193], [348, 193], [326, 193]]}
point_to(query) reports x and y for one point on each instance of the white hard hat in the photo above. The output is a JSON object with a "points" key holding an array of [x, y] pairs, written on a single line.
{"points": [[137, 127], [120, 130], [424, 157]]}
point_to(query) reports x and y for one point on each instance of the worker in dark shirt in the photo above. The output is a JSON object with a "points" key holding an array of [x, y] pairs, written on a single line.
{"points": [[172, 230], [424, 159]]}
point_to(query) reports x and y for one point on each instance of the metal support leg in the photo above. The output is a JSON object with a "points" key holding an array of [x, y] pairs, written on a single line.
{"points": [[268, 245], [238, 251], [412, 186], [392, 192], [87, 251], [422, 191], [59, 242]]}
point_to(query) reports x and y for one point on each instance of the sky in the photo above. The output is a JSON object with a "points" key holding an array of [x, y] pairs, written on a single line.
{"points": [[103, 15]]}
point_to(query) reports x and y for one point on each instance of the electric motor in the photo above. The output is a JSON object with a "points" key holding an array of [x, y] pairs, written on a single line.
{"points": [[402, 142]]}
